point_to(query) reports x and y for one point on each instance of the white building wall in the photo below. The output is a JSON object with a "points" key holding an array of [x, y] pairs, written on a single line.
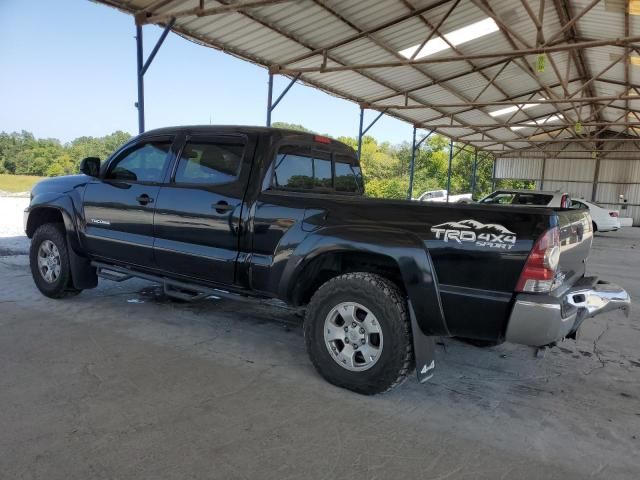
{"points": [[616, 174]]}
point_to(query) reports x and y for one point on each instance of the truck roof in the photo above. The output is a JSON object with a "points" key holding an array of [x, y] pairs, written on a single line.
{"points": [[285, 134], [525, 190]]}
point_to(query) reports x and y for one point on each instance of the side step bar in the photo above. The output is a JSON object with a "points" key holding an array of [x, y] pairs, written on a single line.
{"points": [[189, 292], [173, 288]]}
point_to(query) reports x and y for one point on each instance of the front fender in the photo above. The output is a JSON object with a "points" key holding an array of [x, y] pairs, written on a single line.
{"points": [[60, 202], [404, 248], [83, 275]]}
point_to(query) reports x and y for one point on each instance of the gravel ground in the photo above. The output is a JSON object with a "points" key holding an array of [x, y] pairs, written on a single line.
{"points": [[121, 382]]}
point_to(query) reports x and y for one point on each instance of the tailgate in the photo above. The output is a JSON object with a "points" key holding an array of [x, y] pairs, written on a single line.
{"points": [[576, 234]]}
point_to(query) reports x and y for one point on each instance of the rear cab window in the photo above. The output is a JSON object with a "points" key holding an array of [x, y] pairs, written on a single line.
{"points": [[307, 169]]}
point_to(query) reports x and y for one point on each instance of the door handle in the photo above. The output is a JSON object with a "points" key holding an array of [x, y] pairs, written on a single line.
{"points": [[144, 199], [222, 206]]}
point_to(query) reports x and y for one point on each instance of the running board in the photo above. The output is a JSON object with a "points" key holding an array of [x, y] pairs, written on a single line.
{"points": [[189, 292], [172, 288]]}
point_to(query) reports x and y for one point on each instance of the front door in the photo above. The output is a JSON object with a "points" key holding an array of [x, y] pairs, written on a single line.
{"points": [[119, 207], [198, 212]]}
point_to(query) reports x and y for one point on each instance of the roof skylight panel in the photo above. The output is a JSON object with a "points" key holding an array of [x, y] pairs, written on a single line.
{"points": [[457, 37]]}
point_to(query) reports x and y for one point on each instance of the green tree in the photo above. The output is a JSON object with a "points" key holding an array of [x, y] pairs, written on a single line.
{"points": [[291, 126]]}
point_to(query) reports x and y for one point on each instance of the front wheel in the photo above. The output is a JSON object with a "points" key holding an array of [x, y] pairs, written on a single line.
{"points": [[358, 335], [49, 261]]}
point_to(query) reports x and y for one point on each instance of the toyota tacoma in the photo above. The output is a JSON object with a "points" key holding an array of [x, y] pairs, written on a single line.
{"points": [[263, 213]]}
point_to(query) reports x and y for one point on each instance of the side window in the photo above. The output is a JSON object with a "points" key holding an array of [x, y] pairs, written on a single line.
{"points": [[348, 177], [501, 198], [144, 163], [577, 205], [302, 169], [210, 163]]}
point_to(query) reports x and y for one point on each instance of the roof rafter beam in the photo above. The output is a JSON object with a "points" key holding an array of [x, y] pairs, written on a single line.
{"points": [[618, 42], [364, 33], [543, 101], [456, 50], [147, 16], [383, 45], [565, 13], [510, 35]]}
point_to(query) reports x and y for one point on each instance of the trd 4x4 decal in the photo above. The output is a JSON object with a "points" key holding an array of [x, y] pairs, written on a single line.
{"points": [[489, 235]]}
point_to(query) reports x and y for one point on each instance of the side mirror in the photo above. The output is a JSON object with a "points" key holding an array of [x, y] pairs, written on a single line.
{"points": [[90, 166]]}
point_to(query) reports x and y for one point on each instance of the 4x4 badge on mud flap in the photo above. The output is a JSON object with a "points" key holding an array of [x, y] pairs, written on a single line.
{"points": [[489, 235]]}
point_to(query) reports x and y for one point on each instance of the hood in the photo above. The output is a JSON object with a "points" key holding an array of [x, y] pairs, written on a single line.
{"points": [[59, 184]]}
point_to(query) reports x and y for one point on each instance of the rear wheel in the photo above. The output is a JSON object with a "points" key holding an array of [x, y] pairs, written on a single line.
{"points": [[595, 226], [49, 261], [358, 334]]}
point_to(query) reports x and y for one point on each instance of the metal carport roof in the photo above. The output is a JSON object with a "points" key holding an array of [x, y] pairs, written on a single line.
{"points": [[531, 73]]}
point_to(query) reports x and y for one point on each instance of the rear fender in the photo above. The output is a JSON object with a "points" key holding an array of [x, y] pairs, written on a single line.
{"points": [[405, 249]]}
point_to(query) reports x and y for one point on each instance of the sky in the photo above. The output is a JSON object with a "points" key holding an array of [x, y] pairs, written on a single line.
{"points": [[68, 69]]}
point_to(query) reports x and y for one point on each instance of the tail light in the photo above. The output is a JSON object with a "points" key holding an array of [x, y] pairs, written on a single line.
{"points": [[539, 271], [613, 214], [321, 139], [565, 201]]}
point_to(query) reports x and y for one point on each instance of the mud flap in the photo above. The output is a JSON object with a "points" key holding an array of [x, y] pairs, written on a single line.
{"points": [[83, 275], [424, 348]]}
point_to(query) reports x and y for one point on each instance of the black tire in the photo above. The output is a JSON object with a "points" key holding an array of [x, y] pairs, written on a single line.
{"points": [[595, 227], [62, 286], [382, 298]]}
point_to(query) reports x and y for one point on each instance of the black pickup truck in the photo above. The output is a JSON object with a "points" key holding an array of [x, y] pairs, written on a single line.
{"points": [[268, 213]]}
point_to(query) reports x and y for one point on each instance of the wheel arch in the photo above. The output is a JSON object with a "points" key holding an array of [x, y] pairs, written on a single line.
{"points": [[60, 210], [397, 255]]}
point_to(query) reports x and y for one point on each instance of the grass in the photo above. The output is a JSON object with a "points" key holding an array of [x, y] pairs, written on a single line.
{"points": [[17, 183]]}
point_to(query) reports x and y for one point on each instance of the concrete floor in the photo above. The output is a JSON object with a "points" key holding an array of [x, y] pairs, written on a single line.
{"points": [[121, 383]]}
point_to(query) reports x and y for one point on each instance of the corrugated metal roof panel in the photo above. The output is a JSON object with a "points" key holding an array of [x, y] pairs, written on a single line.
{"points": [[271, 35]]}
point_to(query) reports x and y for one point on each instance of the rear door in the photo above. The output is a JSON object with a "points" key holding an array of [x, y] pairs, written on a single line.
{"points": [[197, 221], [119, 207]]}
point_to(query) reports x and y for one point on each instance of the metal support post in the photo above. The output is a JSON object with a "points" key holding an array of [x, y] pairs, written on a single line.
{"points": [[144, 66], [412, 164], [596, 175], [493, 175], [473, 174], [449, 172], [360, 132], [271, 104], [269, 99], [140, 78]]}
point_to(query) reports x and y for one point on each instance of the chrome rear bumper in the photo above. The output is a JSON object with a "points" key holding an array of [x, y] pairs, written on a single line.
{"points": [[602, 297], [539, 320]]}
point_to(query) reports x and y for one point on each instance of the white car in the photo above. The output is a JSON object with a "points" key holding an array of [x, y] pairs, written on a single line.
{"points": [[604, 220], [441, 196], [533, 198]]}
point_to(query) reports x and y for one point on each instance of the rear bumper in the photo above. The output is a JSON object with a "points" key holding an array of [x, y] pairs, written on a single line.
{"points": [[539, 320]]}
